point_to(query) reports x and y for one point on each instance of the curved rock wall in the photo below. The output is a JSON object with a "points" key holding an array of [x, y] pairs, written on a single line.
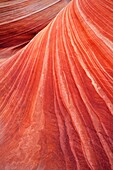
{"points": [[21, 20], [56, 94]]}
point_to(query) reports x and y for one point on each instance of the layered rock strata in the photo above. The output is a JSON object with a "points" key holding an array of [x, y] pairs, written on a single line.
{"points": [[56, 94], [21, 20]]}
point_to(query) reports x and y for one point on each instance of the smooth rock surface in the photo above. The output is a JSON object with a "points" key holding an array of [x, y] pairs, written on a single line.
{"points": [[56, 94], [21, 20]]}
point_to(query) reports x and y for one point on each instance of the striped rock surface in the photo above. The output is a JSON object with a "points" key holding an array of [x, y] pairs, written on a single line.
{"points": [[56, 94], [21, 20]]}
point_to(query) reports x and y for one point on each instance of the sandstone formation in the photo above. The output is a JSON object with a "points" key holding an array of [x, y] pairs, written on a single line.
{"points": [[56, 94], [21, 20]]}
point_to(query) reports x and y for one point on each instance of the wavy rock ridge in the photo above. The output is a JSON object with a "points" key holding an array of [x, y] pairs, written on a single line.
{"points": [[56, 94], [21, 20]]}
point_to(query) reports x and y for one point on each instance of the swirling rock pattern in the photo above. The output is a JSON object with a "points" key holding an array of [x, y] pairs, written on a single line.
{"points": [[56, 94], [21, 20]]}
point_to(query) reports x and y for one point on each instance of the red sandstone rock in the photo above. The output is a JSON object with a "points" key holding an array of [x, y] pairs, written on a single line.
{"points": [[21, 20], [56, 94]]}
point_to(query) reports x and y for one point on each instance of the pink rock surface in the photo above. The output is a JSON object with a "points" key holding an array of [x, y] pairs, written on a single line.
{"points": [[56, 94]]}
